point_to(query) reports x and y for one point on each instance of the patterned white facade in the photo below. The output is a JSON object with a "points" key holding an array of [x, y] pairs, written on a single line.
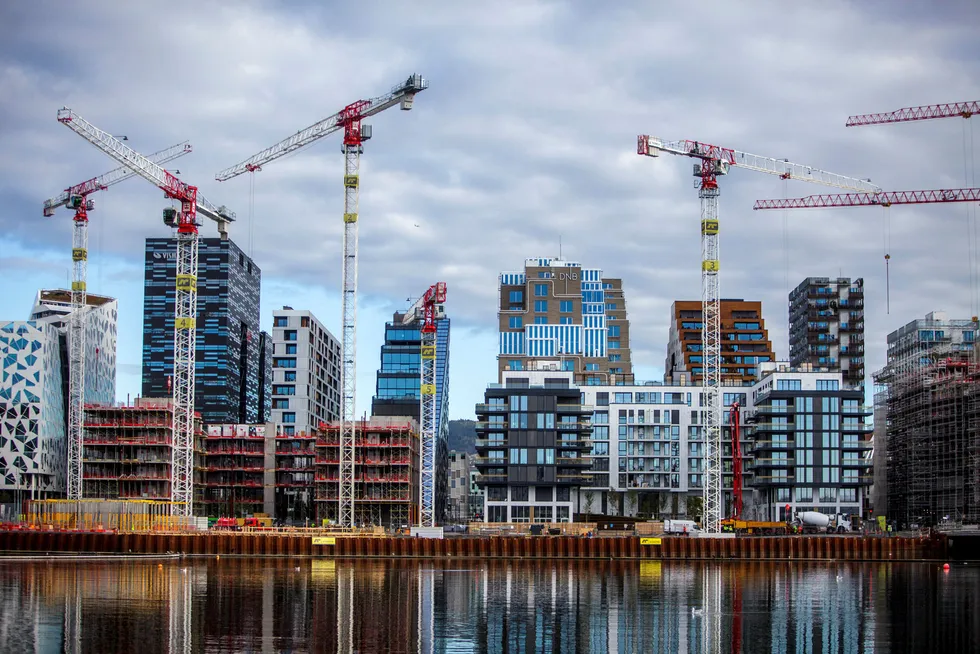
{"points": [[54, 306], [32, 413]]}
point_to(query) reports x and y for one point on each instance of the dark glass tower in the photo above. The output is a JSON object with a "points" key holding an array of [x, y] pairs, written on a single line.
{"points": [[397, 392], [233, 355]]}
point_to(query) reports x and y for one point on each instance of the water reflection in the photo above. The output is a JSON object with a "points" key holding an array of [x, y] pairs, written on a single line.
{"points": [[303, 605]]}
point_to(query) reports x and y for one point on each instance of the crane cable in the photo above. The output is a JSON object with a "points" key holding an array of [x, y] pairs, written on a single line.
{"points": [[251, 210], [971, 226], [886, 243]]}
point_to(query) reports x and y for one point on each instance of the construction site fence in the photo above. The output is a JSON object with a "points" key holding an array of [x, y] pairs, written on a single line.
{"points": [[524, 528], [108, 515]]}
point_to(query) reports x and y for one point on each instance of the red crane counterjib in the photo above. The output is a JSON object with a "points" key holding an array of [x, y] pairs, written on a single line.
{"points": [[927, 112], [884, 199], [350, 117], [435, 295], [694, 149]]}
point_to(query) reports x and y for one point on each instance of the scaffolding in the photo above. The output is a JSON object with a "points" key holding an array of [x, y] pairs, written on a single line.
{"points": [[386, 459], [930, 397], [127, 450], [231, 470]]}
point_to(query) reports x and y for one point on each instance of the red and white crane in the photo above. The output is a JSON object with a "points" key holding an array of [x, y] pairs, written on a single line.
{"points": [[734, 419], [76, 197], [926, 112], [428, 309], [348, 119], [882, 199], [185, 220], [715, 161]]}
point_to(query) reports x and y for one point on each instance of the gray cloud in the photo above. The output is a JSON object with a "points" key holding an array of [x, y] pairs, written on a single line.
{"points": [[527, 133]]}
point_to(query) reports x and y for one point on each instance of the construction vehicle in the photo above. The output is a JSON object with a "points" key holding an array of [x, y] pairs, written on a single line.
{"points": [[711, 163], [753, 527], [814, 522], [349, 120]]}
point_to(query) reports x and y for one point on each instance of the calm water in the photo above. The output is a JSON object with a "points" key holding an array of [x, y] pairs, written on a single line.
{"points": [[276, 605]]}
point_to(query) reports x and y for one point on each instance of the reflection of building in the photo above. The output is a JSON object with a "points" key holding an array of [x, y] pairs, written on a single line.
{"points": [[233, 354], [571, 316], [744, 342], [236, 471], [929, 398], [826, 326], [128, 450], [399, 380], [306, 372], [459, 487], [386, 471]]}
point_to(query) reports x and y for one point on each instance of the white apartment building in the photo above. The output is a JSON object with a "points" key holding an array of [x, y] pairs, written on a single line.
{"points": [[306, 372]]}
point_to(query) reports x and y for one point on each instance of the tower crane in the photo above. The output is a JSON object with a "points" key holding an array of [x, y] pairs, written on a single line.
{"points": [[882, 199], [348, 119], [429, 308], [186, 222], [76, 197], [714, 161], [926, 112]]}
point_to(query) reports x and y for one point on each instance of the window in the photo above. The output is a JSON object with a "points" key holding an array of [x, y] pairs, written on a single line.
{"points": [[289, 416], [828, 385], [518, 402], [546, 421], [280, 404], [546, 456], [613, 345], [610, 306], [283, 389], [280, 362], [289, 335], [600, 418], [541, 306], [563, 494], [514, 364], [615, 357], [281, 321], [289, 375], [519, 494], [565, 320], [516, 322], [516, 297], [565, 306], [592, 367], [304, 321], [602, 399], [614, 331], [623, 398], [540, 290], [540, 320], [789, 385], [290, 348]]}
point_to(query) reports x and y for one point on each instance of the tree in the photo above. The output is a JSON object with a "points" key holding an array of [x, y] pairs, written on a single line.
{"points": [[632, 499], [589, 501], [695, 508]]}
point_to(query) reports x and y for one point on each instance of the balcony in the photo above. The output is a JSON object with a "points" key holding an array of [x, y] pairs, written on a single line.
{"points": [[575, 408], [774, 410], [585, 461], [486, 425], [856, 463], [860, 410], [863, 444], [771, 480], [761, 446], [490, 408], [774, 426], [486, 462], [574, 426], [860, 480], [860, 428], [491, 479]]}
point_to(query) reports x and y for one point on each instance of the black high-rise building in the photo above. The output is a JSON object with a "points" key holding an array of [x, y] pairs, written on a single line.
{"points": [[233, 355]]}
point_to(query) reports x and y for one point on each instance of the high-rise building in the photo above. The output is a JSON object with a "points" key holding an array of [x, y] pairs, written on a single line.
{"points": [[744, 342], [33, 421], [558, 315], [826, 326], [306, 372], [233, 357], [928, 402], [398, 385]]}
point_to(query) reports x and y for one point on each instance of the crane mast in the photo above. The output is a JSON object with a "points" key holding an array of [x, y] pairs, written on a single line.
{"points": [[76, 197], [429, 306], [185, 306], [712, 162], [348, 119]]}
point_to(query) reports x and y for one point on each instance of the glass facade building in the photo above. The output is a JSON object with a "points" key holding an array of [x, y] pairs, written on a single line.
{"points": [[233, 356]]}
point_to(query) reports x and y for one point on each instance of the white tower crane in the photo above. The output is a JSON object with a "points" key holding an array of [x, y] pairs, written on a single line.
{"points": [[348, 119], [185, 306], [76, 197], [429, 308], [714, 162]]}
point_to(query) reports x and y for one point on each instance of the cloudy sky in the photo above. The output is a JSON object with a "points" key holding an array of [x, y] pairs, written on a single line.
{"points": [[527, 134]]}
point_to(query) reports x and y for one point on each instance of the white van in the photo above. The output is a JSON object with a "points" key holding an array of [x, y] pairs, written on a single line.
{"points": [[680, 527]]}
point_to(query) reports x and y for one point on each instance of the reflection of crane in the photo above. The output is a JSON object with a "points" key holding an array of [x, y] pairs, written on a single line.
{"points": [[185, 305], [949, 110], [430, 306], [734, 418], [76, 197], [714, 162], [349, 119]]}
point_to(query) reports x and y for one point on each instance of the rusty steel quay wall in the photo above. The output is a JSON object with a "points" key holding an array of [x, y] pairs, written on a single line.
{"points": [[782, 548]]}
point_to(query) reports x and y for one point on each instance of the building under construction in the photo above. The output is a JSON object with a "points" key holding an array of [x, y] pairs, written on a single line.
{"points": [[235, 471], [929, 394], [128, 449], [386, 472]]}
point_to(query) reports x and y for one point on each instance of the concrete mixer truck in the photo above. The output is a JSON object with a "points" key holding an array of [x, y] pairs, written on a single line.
{"points": [[814, 522]]}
